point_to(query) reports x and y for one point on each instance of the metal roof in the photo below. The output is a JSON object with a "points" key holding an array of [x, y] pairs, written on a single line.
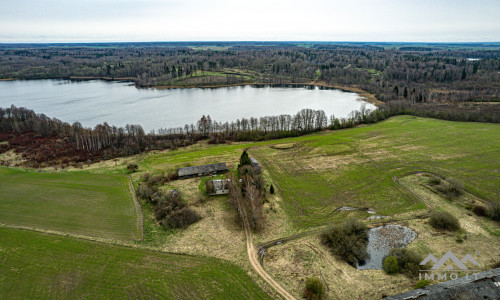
{"points": [[204, 169], [484, 285]]}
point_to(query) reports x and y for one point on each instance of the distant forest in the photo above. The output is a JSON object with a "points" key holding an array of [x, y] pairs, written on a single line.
{"points": [[446, 81], [417, 73]]}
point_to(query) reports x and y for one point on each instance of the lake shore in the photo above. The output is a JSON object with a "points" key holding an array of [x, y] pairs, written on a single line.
{"points": [[364, 94]]}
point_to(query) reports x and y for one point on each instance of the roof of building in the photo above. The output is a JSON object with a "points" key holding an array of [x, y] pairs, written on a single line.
{"points": [[189, 171], [484, 285]]}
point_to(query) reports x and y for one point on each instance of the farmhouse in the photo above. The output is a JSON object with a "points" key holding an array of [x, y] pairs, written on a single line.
{"points": [[203, 170], [217, 187]]}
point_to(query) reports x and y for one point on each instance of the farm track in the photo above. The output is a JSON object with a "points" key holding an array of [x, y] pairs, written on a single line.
{"points": [[419, 198], [254, 261], [138, 208]]}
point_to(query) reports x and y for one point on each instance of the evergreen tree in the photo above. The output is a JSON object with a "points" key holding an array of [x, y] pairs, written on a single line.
{"points": [[464, 74], [271, 190], [405, 93], [244, 159]]}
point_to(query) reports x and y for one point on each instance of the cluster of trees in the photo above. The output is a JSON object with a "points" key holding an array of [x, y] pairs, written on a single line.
{"points": [[248, 196], [169, 208], [402, 260], [348, 241], [427, 74], [47, 137]]}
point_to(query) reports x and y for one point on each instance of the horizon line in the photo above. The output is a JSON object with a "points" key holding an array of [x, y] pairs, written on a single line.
{"points": [[252, 41]]}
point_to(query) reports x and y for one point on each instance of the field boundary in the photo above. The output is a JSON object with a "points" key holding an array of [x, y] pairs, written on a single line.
{"points": [[138, 208]]}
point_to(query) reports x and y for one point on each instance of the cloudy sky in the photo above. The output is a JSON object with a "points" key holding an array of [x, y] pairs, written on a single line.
{"points": [[250, 20]]}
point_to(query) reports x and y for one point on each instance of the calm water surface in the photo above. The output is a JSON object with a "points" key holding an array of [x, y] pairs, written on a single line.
{"points": [[120, 103]]}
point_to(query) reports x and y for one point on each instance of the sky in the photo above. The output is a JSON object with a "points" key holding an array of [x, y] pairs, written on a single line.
{"points": [[250, 20]]}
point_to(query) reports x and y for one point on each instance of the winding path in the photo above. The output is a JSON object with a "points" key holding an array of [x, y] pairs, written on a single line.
{"points": [[254, 261]]}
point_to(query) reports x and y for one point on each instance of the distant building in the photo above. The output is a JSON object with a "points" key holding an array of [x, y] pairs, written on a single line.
{"points": [[484, 285], [256, 165], [203, 170], [217, 187]]}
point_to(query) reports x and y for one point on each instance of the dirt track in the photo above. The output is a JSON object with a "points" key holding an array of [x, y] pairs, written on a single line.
{"points": [[254, 261]]}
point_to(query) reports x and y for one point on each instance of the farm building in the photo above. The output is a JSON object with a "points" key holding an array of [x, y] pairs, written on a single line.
{"points": [[217, 187], [203, 170], [484, 285], [256, 165]]}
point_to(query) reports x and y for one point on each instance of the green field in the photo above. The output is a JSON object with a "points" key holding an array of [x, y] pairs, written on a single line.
{"points": [[321, 172], [41, 266], [355, 167], [83, 204]]}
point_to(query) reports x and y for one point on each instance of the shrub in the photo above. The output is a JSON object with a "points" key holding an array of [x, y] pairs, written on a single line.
{"points": [[493, 211], [408, 260], [314, 289], [479, 210], [422, 283], [390, 265], [460, 236], [444, 220], [451, 190], [348, 241], [181, 218], [145, 192], [132, 168], [434, 180], [145, 177]]}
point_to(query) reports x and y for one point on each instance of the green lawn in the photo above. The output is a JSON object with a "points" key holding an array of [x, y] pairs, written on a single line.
{"points": [[85, 204], [355, 167], [41, 266]]}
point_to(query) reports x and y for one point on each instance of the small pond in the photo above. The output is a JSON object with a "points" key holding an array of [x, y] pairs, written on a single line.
{"points": [[382, 239]]}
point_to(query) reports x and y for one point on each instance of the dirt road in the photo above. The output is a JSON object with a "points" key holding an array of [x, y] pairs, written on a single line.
{"points": [[254, 261]]}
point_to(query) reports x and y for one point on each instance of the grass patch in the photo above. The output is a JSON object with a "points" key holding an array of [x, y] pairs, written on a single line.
{"points": [[83, 204], [36, 265]]}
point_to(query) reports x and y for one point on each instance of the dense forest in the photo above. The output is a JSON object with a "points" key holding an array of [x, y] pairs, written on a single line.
{"points": [[460, 83], [427, 73]]}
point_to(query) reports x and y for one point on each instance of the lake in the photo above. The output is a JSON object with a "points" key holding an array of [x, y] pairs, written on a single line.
{"points": [[120, 103]]}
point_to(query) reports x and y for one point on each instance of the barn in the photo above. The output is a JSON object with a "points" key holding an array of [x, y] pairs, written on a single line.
{"points": [[202, 170]]}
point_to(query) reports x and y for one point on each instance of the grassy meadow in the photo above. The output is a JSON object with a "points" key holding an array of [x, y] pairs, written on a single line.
{"points": [[355, 167], [321, 172], [37, 265], [94, 205]]}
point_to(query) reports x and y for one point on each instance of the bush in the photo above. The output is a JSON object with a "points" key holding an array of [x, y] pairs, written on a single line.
{"points": [[181, 218], [444, 220], [408, 260], [493, 211], [348, 241], [390, 265], [144, 192], [451, 190], [479, 210], [434, 180], [314, 289], [460, 236], [422, 283], [132, 168]]}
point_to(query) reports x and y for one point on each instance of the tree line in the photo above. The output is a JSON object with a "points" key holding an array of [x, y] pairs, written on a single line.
{"points": [[47, 138], [407, 73]]}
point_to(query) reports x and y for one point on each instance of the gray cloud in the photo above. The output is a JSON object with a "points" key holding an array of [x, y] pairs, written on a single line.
{"points": [[158, 20]]}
